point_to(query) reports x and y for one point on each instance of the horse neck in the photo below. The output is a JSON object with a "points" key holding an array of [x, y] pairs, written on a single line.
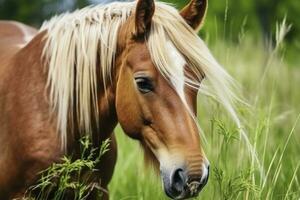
{"points": [[26, 111]]}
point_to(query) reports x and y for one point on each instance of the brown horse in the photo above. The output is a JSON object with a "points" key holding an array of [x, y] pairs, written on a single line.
{"points": [[137, 63]]}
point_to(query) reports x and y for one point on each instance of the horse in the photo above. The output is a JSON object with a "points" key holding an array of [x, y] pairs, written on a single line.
{"points": [[140, 64]]}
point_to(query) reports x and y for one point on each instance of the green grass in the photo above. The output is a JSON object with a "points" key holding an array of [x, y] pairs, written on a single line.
{"points": [[272, 89]]}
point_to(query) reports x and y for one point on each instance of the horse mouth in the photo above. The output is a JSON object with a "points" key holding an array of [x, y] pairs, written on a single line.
{"points": [[179, 186], [182, 190], [190, 190]]}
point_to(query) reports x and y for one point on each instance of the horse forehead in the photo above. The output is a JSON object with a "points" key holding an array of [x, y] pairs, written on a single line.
{"points": [[139, 58], [138, 52]]}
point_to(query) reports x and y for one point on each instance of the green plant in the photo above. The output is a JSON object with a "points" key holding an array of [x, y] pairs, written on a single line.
{"points": [[71, 177]]}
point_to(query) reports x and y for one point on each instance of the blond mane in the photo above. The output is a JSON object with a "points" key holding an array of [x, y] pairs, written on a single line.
{"points": [[75, 41]]}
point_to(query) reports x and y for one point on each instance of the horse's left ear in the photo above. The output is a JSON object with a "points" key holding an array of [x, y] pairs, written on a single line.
{"points": [[143, 17], [194, 13]]}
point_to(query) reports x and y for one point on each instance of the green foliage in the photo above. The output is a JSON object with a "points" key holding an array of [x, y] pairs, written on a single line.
{"points": [[232, 18], [231, 187], [71, 177], [34, 12]]}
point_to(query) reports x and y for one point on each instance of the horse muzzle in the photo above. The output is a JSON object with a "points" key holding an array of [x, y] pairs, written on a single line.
{"points": [[178, 184]]}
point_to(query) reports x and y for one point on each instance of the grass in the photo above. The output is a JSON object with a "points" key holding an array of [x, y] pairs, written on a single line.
{"points": [[271, 88], [70, 178]]}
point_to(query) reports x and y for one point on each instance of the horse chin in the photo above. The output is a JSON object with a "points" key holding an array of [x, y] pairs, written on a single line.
{"points": [[175, 194], [182, 195]]}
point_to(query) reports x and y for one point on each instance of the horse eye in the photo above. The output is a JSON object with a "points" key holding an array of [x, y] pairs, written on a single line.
{"points": [[144, 84]]}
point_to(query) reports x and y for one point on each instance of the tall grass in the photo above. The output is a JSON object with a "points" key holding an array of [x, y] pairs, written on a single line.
{"points": [[271, 88]]}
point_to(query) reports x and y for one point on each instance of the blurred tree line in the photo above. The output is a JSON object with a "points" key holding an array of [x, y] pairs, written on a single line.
{"points": [[34, 12], [227, 18], [232, 19]]}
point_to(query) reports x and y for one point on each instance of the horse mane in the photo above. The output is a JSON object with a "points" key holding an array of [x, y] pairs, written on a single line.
{"points": [[74, 43], [75, 40]]}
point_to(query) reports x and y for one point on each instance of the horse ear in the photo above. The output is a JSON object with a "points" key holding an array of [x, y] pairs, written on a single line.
{"points": [[143, 17], [194, 13]]}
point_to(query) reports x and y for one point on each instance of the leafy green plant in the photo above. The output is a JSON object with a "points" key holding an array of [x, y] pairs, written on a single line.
{"points": [[71, 177], [230, 187]]}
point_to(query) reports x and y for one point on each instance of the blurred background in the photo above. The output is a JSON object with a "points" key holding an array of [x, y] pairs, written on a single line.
{"points": [[258, 42], [228, 18]]}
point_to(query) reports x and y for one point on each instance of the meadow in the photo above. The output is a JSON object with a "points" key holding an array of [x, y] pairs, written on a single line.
{"points": [[269, 85]]}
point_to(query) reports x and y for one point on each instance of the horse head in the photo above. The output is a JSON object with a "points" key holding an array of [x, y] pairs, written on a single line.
{"points": [[156, 105]]}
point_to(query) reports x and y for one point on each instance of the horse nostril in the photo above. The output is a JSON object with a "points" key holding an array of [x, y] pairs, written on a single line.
{"points": [[178, 181]]}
